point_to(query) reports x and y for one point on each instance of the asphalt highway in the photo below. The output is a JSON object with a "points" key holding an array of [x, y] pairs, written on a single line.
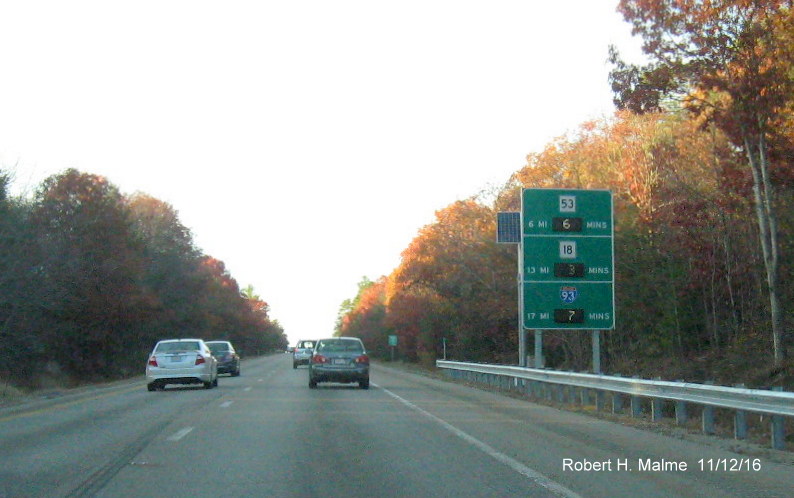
{"points": [[266, 433]]}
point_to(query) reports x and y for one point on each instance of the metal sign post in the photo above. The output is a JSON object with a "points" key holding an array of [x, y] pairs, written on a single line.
{"points": [[508, 231]]}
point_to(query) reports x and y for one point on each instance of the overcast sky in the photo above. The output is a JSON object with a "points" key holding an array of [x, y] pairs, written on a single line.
{"points": [[304, 142]]}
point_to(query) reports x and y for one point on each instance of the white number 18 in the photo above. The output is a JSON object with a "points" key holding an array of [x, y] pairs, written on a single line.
{"points": [[568, 249]]}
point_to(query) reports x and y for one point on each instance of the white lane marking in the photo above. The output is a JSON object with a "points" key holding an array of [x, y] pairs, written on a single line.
{"points": [[247, 389], [226, 404], [180, 434], [522, 469], [260, 380]]}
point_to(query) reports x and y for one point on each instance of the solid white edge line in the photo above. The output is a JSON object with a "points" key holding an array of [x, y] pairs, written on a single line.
{"points": [[180, 434], [226, 404], [522, 469]]}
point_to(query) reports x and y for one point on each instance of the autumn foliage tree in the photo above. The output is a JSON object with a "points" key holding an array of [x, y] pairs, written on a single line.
{"points": [[688, 272], [699, 158], [730, 62], [446, 287], [91, 278], [87, 273]]}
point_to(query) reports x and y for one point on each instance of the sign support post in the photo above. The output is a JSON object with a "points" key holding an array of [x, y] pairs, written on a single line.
{"points": [[596, 351], [522, 334], [508, 231]]}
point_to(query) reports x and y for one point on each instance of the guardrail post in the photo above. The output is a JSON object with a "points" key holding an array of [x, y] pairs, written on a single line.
{"points": [[617, 400], [680, 413], [680, 410], [708, 415], [740, 422], [708, 420], [572, 395], [778, 428], [599, 396], [584, 395], [636, 404], [656, 409], [617, 403]]}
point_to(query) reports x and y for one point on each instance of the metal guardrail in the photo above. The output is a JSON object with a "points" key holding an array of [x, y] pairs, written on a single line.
{"points": [[778, 404]]}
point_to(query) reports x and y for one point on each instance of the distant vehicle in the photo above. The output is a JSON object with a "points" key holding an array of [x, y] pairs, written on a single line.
{"points": [[228, 359], [302, 353], [181, 361], [339, 359]]}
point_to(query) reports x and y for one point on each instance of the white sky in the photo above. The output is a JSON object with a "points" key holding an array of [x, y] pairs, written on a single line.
{"points": [[304, 142]]}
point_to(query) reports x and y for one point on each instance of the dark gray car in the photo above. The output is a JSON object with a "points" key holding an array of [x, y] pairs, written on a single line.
{"points": [[339, 359], [228, 359]]}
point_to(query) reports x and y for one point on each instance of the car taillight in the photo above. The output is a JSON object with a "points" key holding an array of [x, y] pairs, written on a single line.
{"points": [[200, 359], [318, 358], [363, 359], [153, 361]]}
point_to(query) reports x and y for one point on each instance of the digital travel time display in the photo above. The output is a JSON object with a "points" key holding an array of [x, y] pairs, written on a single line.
{"points": [[568, 277]]}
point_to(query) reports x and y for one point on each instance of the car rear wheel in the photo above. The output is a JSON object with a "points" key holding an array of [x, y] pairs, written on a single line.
{"points": [[294, 365], [208, 385], [151, 387], [215, 382], [236, 373], [312, 384], [363, 384]]}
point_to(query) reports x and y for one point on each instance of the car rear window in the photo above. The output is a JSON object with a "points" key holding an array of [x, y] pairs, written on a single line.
{"points": [[176, 347], [340, 346], [219, 348], [306, 345]]}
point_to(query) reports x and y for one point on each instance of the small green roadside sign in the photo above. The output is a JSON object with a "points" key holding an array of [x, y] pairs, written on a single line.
{"points": [[567, 259], [392, 340]]}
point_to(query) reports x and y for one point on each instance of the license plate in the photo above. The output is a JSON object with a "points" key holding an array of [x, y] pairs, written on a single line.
{"points": [[340, 361], [175, 359]]}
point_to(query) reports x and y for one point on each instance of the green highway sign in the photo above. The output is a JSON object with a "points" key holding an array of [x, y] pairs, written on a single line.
{"points": [[567, 259]]}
